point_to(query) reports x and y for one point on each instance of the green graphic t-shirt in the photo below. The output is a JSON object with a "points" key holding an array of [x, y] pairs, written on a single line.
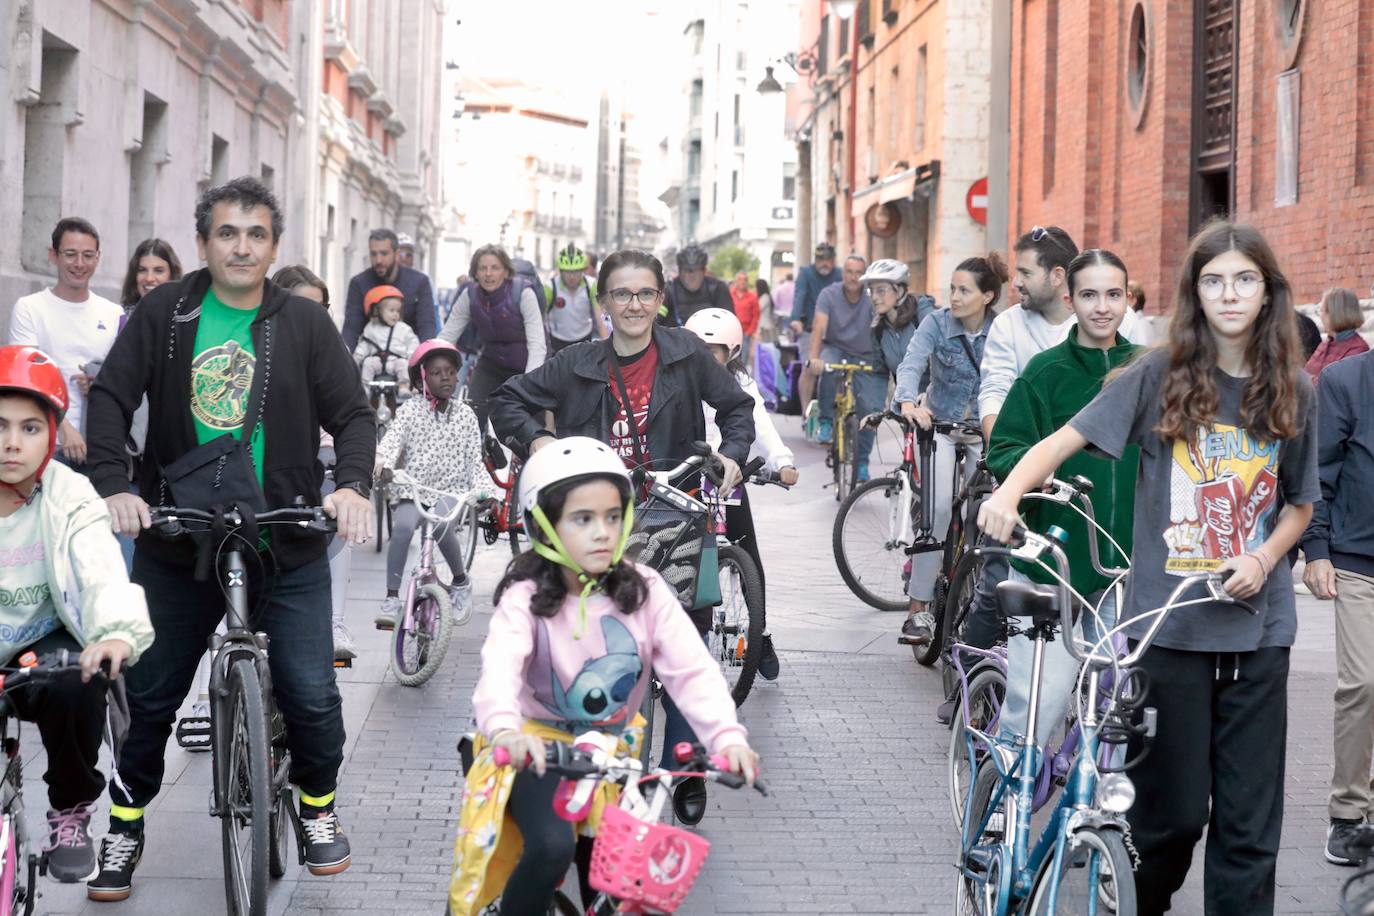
{"points": [[222, 374]]}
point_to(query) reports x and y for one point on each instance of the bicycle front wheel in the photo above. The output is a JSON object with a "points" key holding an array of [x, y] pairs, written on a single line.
{"points": [[1094, 877], [985, 827], [986, 693], [736, 637], [245, 791], [421, 638], [864, 541]]}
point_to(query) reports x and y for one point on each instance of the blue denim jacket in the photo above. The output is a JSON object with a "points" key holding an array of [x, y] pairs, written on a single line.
{"points": [[952, 393]]}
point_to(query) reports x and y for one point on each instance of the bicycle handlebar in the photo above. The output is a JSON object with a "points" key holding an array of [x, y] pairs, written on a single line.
{"points": [[41, 667], [1076, 489], [401, 477], [573, 762], [850, 367], [311, 517], [1032, 548]]}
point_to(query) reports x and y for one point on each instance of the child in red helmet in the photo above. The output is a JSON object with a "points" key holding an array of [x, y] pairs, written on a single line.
{"points": [[437, 439], [64, 586], [387, 342]]}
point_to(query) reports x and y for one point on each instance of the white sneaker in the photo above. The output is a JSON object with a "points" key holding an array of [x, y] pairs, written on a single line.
{"points": [[386, 616], [460, 596], [344, 647]]}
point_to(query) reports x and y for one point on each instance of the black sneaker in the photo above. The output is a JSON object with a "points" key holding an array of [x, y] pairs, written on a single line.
{"points": [[689, 800], [119, 854], [326, 847], [768, 660], [918, 630], [70, 849], [1338, 847]]}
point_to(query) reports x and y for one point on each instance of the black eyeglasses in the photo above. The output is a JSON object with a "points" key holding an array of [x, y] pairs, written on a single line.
{"points": [[621, 296]]}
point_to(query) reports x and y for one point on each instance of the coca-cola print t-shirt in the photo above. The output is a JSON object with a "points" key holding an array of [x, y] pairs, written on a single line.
{"points": [[1199, 503]]}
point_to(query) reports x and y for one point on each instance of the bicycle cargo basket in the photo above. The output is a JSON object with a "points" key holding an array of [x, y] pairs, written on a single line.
{"points": [[648, 865], [670, 529]]}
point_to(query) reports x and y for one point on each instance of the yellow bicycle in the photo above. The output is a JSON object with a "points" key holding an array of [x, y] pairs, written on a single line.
{"points": [[844, 442]]}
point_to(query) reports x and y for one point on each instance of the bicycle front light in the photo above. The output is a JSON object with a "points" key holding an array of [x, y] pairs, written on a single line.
{"points": [[1115, 793]]}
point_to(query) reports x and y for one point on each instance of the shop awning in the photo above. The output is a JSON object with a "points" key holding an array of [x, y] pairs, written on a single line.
{"points": [[898, 186]]}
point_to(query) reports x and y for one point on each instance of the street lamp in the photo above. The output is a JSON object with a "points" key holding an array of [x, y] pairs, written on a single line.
{"points": [[769, 85], [843, 8]]}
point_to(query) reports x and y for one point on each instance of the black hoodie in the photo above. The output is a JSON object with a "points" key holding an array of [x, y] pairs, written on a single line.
{"points": [[312, 383]]}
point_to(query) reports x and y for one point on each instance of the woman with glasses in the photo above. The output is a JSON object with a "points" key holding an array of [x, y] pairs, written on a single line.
{"points": [[641, 393], [1225, 421], [504, 310]]}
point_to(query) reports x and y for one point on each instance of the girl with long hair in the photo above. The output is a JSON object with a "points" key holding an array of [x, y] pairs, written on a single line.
{"points": [[153, 263], [570, 612], [1224, 419]]}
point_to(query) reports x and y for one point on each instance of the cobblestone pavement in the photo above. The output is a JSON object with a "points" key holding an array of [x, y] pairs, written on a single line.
{"points": [[857, 821]]}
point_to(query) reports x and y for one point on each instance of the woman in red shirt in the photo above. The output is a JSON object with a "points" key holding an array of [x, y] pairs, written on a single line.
{"points": [[1342, 317], [746, 303]]}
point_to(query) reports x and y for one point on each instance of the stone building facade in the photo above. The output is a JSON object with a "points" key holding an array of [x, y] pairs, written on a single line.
{"points": [[122, 111]]}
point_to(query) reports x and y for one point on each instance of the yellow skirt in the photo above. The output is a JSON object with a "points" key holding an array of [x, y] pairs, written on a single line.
{"points": [[489, 843]]}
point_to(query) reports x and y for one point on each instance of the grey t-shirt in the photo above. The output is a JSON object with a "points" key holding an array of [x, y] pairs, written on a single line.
{"points": [[1199, 503], [851, 323]]}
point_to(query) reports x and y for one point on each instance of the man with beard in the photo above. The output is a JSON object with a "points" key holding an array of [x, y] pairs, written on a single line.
{"points": [[692, 290], [383, 251]]}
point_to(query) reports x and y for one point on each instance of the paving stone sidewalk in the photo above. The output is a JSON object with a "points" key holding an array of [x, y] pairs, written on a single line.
{"points": [[858, 820]]}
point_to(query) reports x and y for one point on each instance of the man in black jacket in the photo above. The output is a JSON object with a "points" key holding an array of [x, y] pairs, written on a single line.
{"points": [[1339, 546], [641, 393], [205, 350], [387, 270]]}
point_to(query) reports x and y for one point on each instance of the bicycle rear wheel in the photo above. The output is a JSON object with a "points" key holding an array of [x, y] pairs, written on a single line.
{"points": [[562, 906], [418, 643], [864, 542], [244, 790], [1095, 878], [736, 637], [987, 692]]}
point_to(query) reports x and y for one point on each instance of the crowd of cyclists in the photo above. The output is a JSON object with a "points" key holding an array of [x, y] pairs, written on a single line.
{"points": [[1211, 450]]}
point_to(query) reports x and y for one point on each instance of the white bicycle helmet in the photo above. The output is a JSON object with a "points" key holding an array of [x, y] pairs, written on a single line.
{"points": [[717, 326], [565, 459], [887, 270], [403, 240]]}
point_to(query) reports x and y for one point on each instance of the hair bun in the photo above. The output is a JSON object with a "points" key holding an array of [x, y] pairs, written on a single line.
{"points": [[998, 266]]}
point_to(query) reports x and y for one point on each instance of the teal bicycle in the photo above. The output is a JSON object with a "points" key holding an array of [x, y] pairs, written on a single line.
{"points": [[1082, 860]]}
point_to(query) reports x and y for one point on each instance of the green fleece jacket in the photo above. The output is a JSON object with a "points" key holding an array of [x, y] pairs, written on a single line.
{"points": [[1055, 385]]}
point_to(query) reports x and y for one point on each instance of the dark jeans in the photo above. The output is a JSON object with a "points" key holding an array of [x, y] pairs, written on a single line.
{"points": [[555, 344], [486, 377], [550, 847], [1217, 763], [739, 528], [71, 719], [295, 615], [985, 628]]}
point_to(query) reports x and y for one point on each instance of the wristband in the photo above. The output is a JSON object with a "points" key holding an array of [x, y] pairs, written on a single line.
{"points": [[1266, 566]]}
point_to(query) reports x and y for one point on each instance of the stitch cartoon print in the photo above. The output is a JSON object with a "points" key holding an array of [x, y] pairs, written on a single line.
{"points": [[600, 695]]}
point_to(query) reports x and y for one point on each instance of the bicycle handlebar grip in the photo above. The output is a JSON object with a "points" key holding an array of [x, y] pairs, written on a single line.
{"points": [[753, 467]]}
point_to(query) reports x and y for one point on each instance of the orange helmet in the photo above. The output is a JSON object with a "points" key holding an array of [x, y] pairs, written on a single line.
{"points": [[28, 370], [377, 294]]}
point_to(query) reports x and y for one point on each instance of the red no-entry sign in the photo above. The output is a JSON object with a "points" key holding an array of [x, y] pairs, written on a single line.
{"points": [[977, 201]]}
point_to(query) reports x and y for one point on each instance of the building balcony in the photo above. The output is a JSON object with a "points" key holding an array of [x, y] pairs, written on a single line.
{"points": [[559, 170], [558, 222], [541, 221], [574, 224], [575, 173]]}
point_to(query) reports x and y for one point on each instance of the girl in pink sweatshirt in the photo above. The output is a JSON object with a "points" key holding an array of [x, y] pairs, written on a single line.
{"points": [[576, 632]]}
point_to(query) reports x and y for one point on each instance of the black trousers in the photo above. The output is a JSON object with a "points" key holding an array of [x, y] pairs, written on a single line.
{"points": [[739, 528], [1217, 762], [550, 847], [486, 377], [70, 717]]}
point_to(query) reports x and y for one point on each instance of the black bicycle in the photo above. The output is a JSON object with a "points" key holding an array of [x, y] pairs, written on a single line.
{"points": [[251, 764]]}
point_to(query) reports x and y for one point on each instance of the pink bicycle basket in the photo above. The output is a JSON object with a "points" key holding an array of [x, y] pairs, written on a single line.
{"points": [[648, 865]]}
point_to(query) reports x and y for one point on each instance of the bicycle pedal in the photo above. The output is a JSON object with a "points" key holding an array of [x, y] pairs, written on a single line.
{"points": [[193, 733], [343, 663], [904, 640]]}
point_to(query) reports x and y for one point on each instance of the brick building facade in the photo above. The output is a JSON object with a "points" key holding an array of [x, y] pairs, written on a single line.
{"points": [[1132, 122], [896, 130]]}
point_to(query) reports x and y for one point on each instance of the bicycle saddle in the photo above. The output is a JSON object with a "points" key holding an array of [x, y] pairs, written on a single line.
{"points": [[1027, 599]]}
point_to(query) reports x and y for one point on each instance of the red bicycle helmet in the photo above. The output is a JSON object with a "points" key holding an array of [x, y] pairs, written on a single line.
{"points": [[28, 370], [377, 294]]}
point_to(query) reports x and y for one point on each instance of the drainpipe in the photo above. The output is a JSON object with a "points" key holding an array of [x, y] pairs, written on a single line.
{"points": [[852, 127]]}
